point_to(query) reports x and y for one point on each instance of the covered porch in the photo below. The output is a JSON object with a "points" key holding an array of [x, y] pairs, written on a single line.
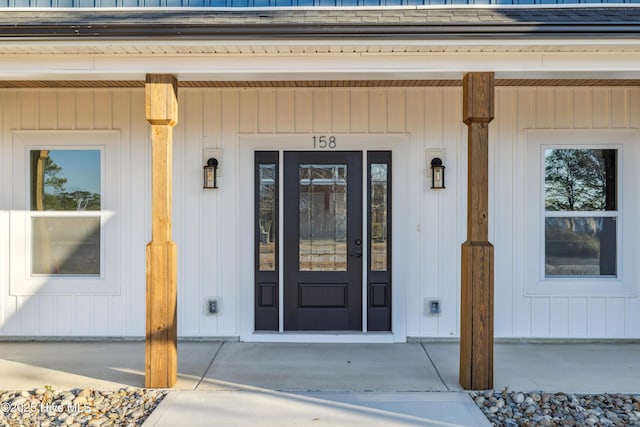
{"points": [[475, 66]]}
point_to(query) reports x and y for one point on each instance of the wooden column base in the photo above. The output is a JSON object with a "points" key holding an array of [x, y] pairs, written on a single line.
{"points": [[161, 365], [476, 328]]}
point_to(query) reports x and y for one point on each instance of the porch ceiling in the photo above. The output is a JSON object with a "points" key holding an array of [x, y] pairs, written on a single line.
{"points": [[62, 84]]}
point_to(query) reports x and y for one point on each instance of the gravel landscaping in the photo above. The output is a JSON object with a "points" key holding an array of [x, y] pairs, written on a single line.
{"points": [[46, 407], [514, 409]]}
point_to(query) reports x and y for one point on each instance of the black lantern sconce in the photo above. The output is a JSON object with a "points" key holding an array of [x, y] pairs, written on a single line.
{"points": [[437, 173], [210, 172]]}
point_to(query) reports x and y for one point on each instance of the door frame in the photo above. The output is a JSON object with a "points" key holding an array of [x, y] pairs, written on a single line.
{"points": [[398, 144]]}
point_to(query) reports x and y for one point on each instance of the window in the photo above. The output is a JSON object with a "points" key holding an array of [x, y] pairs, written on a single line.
{"points": [[581, 185], [66, 236], [65, 212], [581, 214]]}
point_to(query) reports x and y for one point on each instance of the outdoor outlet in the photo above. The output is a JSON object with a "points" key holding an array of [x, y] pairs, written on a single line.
{"points": [[433, 307], [212, 306]]}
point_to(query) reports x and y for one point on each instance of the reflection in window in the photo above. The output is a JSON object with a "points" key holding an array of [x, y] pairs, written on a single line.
{"points": [[267, 215], [65, 180], [379, 237], [65, 212], [323, 217], [581, 212]]}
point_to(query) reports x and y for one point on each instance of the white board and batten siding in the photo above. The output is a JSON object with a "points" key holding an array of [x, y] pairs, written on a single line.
{"points": [[206, 226]]}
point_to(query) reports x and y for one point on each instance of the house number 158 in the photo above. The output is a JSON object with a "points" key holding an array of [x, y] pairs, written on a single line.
{"points": [[324, 142]]}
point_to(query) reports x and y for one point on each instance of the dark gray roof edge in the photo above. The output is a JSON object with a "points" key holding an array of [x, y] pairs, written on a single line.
{"points": [[324, 23]]}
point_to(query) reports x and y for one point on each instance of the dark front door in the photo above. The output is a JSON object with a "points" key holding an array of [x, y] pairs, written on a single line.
{"points": [[322, 241]]}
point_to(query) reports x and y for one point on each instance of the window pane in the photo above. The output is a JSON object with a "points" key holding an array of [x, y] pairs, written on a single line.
{"points": [[65, 246], [580, 180], [323, 217], [267, 214], [379, 238], [65, 180], [584, 246]]}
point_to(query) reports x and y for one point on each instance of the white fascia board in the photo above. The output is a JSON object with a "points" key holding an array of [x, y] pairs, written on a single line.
{"points": [[317, 66]]}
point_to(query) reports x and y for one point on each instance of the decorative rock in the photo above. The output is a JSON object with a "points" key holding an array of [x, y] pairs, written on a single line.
{"points": [[45, 407], [558, 409]]}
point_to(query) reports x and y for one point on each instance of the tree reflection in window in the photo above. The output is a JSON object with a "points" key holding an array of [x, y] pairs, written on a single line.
{"points": [[65, 212], [581, 212]]}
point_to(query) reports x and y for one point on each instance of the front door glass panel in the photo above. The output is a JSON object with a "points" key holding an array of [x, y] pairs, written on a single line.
{"points": [[322, 217]]}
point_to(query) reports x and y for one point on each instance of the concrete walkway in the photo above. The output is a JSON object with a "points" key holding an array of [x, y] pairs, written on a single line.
{"points": [[227, 384]]}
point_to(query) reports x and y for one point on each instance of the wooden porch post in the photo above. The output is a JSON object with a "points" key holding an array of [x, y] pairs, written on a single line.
{"points": [[161, 364], [476, 327]]}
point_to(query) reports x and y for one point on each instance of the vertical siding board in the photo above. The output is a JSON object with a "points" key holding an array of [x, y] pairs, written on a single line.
{"points": [[226, 222], [85, 109], [138, 198], [619, 100], [303, 111], [83, 320], [396, 110], [505, 172], [120, 115], [559, 318], [582, 112], [103, 110], [29, 110], [540, 317], [425, 261], [189, 150], [597, 317], [219, 107], [601, 108], [578, 315], [415, 126], [453, 211], [118, 303], [284, 111], [321, 110], [525, 119], [209, 222], [48, 322], [634, 107], [101, 316], [266, 111], [615, 322], [377, 110], [632, 317], [340, 107], [48, 110], [7, 121], [544, 104], [66, 109], [28, 310], [563, 105], [248, 110], [64, 315], [359, 113]]}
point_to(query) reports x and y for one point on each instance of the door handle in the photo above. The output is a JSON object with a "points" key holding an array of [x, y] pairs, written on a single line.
{"points": [[356, 254]]}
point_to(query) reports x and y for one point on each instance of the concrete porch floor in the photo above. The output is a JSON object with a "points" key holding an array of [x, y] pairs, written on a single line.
{"points": [[411, 384]]}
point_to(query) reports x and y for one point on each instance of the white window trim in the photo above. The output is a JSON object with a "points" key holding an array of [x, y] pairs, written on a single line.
{"points": [[22, 281], [625, 141]]}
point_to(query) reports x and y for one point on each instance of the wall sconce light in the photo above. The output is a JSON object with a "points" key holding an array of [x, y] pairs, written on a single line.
{"points": [[211, 173], [437, 173]]}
